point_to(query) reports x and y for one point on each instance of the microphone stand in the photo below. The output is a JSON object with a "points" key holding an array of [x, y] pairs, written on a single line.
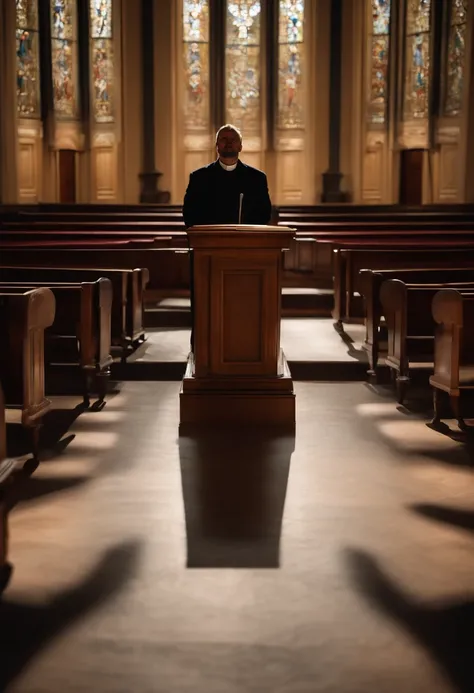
{"points": [[241, 199]]}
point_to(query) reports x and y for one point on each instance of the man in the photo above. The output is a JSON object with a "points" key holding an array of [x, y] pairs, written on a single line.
{"points": [[226, 192], [213, 194]]}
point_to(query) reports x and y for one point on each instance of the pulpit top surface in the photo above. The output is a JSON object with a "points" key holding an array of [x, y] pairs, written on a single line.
{"points": [[239, 228], [240, 236]]}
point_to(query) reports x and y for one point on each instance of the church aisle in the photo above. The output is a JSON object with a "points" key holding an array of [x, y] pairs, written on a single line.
{"points": [[302, 339], [149, 563]]}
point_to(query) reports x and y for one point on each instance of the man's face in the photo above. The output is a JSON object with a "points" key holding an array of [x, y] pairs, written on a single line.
{"points": [[228, 145]]}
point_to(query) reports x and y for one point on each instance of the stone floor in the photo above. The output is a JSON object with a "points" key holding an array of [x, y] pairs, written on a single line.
{"points": [[340, 561]]}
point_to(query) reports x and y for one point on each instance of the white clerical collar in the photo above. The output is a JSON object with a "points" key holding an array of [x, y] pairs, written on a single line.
{"points": [[228, 168]]}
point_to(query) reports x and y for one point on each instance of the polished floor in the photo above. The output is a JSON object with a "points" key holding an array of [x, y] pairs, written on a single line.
{"points": [[302, 339], [337, 561]]}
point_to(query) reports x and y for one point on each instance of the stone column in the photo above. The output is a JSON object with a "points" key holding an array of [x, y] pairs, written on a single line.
{"points": [[8, 113], [332, 177], [149, 176]]}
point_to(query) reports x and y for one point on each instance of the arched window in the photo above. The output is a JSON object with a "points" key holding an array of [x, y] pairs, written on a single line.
{"points": [[417, 59], [27, 63], [290, 63], [242, 56], [380, 40], [455, 57], [196, 63], [102, 60], [64, 57]]}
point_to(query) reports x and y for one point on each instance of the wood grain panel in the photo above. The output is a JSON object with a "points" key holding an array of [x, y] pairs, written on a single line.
{"points": [[242, 300], [245, 334]]}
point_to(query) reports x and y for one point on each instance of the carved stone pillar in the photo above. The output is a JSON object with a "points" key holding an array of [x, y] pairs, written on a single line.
{"points": [[332, 177], [150, 176], [8, 124]]}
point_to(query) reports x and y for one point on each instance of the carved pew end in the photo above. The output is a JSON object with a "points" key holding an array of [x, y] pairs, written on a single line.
{"points": [[453, 312]]}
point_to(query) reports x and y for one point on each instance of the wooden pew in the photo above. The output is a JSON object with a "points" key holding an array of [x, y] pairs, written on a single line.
{"points": [[88, 215], [357, 209], [136, 227], [89, 208], [308, 264], [128, 287], [24, 317], [80, 333], [349, 261], [370, 283], [410, 327], [7, 473], [453, 313], [168, 268]]}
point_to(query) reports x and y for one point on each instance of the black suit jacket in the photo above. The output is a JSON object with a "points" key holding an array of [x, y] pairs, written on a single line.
{"points": [[203, 206]]}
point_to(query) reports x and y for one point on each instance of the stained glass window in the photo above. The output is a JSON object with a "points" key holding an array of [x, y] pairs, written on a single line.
{"points": [[102, 60], [290, 63], [64, 56], [417, 58], [27, 59], [380, 40], [196, 63], [456, 57], [243, 64]]}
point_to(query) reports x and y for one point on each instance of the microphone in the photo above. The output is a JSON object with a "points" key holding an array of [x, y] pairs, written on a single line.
{"points": [[241, 198]]}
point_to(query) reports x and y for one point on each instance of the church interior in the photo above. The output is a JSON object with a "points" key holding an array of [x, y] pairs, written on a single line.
{"points": [[235, 456]]}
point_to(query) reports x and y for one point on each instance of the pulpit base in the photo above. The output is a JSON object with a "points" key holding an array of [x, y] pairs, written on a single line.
{"points": [[238, 401]]}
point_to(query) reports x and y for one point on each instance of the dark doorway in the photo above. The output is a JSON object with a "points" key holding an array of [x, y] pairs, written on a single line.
{"points": [[411, 177], [67, 176]]}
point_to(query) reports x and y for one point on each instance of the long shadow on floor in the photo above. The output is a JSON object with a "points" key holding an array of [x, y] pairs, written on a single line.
{"points": [[35, 487], [234, 489], [444, 630], [56, 424], [26, 629], [464, 519]]}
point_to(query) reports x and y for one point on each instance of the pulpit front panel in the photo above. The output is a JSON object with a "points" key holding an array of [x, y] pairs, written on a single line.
{"points": [[244, 314]]}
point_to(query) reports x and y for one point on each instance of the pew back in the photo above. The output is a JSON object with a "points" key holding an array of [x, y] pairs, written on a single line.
{"points": [[453, 313], [128, 286], [23, 319], [410, 325], [82, 323]]}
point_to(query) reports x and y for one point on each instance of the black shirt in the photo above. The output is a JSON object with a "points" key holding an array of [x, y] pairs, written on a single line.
{"points": [[212, 196]]}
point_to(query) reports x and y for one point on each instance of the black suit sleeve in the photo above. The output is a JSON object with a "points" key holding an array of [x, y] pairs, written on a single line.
{"points": [[191, 204], [264, 207]]}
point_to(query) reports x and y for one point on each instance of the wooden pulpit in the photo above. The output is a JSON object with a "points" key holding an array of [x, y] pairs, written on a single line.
{"points": [[238, 373]]}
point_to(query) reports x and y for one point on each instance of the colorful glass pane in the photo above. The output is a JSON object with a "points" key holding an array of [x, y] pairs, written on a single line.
{"points": [[380, 17], [243, 64], [291, 21], [63, 56], [27, 14], [417, 59], [459, 11], [417, 77], [102, 65], [64, 87], [290, 63], [62, 19], [418, 16], [380, 43], [456, 58], [101, 18], [196, 20], [196, 63], [27, 59], [378, 78]]}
